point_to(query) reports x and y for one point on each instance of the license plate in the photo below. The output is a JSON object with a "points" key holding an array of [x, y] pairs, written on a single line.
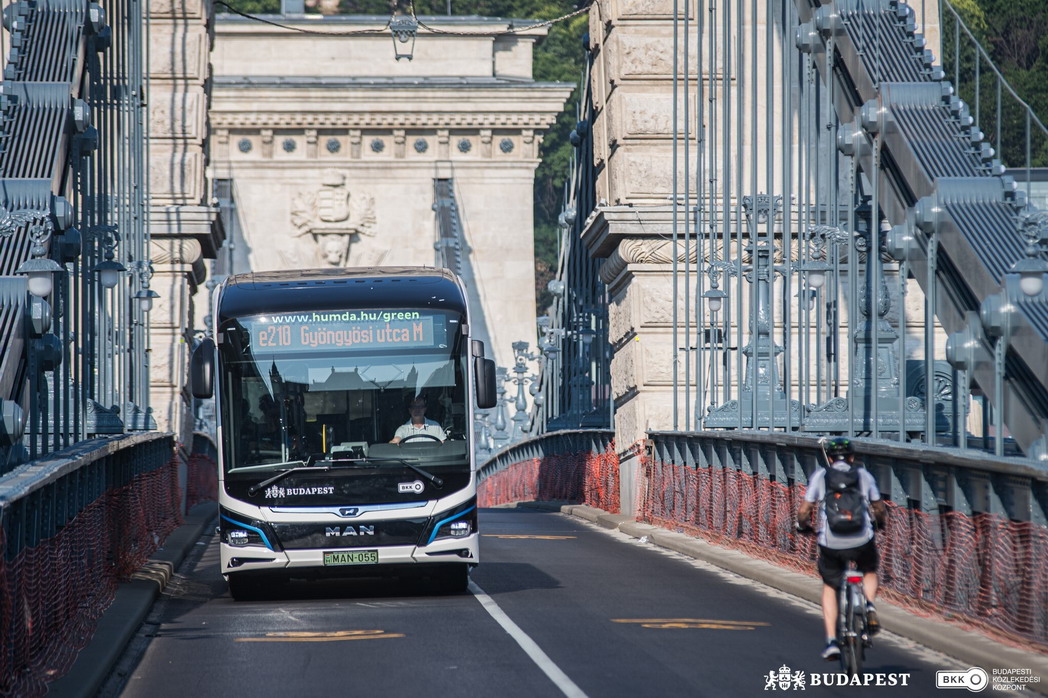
{"points": [[352, 557]]}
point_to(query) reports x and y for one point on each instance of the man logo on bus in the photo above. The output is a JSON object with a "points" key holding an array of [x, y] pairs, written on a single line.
{"points": [[361, 530]]}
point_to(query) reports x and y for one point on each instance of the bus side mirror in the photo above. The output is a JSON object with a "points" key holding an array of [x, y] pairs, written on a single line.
{"points": [[484, 373], [202, 370]]}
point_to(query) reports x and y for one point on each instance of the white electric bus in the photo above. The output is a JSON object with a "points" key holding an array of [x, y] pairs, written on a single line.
{"points": [[313, 372]]}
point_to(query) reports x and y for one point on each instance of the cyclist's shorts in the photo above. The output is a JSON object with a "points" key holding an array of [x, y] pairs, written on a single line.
{"points": [[832, 563]]}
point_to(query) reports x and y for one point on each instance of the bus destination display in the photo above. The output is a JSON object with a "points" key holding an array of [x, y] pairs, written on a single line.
{"points": [[350, 329]]}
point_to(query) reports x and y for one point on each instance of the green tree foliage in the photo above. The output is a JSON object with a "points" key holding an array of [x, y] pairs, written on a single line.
{"points": [[252, 7], [1014, 33]]}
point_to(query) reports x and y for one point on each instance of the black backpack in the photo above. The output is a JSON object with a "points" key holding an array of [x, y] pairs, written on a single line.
{"points": [[845, 504]]}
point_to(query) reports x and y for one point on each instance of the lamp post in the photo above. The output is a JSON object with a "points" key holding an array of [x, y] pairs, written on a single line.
{"points": [[521, 357], [144, 297], [1032, 267], [108, 270], [39, 267], [715, 300], [997, 313], [499, 437], [404, 29]]}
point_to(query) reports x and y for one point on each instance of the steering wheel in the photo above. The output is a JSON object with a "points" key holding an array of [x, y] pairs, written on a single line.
{"points": [[419, 436]]}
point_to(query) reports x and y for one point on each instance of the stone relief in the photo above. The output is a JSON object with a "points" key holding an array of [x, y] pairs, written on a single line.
{"points": [[623, 374], [176, 177], [657, 360], [627, 420], [332, 216], [646, 8], [657, 299], [175, 115], [643, 55], [620, 322], [646, 114]]}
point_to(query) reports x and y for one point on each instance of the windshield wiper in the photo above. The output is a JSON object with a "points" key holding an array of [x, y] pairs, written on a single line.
{"points": [[433, 479], [253, 490]]}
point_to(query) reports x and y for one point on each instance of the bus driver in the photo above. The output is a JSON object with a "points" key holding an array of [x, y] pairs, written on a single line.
{"points": [[418, 424]]}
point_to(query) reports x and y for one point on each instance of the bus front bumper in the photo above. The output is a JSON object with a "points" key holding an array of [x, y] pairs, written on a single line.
{"points": [[236, 559]]}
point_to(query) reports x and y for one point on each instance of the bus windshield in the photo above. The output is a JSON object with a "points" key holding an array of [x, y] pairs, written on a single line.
{"points": [[331, 388]]}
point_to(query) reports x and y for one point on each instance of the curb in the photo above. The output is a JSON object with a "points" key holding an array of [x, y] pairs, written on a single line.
{"points": [[132, 603], [967, 646]]}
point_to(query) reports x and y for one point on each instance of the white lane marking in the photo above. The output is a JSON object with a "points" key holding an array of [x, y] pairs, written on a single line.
{"points": [[558, 677]]}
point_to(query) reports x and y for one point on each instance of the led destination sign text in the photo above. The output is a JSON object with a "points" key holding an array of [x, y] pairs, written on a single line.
{"points": [[348, 330]]}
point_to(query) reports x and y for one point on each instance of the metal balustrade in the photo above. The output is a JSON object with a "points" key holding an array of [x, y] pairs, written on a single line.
{"points": [[967, 534], [83, 519], [73, 185], [815, 224]]}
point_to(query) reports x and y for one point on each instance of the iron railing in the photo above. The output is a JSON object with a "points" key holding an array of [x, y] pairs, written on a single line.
{"points": [[839, 238], [73, 187], [573, 389]]}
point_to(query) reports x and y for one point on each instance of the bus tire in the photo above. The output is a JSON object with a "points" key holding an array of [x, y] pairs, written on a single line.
{"points": [[245, 587], [453, 579]]}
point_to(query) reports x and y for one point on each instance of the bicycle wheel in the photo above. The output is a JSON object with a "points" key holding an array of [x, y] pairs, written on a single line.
{"points": [[852, 650]]}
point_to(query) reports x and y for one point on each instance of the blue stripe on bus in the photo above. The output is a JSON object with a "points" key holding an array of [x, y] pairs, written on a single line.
{"points": [[251, 528], [436, 528]]}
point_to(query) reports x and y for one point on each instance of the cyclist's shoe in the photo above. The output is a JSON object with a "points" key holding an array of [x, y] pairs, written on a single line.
{"points": [[832, 652], [873, 623]]}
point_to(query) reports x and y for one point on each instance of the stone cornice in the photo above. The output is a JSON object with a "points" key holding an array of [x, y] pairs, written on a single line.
{"points": [[642, 251], [173, 227], [610, 225], [343, 120]]}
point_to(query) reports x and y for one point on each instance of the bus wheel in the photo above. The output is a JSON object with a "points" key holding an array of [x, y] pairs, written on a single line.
{"points": [[245, 587], [453, 579]]}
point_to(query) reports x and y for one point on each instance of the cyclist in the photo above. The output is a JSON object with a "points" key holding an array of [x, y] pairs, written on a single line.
{"points": [[836, 550]]}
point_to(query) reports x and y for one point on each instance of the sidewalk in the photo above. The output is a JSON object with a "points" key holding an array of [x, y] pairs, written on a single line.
{"points": [[133, 600], [967, 646]]}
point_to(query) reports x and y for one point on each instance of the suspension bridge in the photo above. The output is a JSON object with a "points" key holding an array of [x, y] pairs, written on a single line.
{"points": [[784, 220]]}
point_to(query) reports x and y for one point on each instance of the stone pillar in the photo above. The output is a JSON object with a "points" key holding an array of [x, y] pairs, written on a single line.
{"points": [[639, 274], [184, 227], [632, 88]]}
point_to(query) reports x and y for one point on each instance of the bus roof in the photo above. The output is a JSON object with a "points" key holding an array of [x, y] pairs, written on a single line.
{"points": [[340, 288]]}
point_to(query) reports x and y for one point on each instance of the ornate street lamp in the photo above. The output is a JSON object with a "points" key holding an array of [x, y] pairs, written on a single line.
{"points": [[404, 30], [1031, 268], [108, 270], [39, 268], [145, 295]]}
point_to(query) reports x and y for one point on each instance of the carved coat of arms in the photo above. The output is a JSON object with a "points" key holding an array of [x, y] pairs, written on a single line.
{"points": [[332, 216]]}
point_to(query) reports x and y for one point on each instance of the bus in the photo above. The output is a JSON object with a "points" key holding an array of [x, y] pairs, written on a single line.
{"points": [[313, 372]]}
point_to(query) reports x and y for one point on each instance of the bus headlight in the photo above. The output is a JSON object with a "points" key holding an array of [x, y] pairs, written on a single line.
{"points": [[459, 529], [239, 532], [459, 522], [239, 538]]}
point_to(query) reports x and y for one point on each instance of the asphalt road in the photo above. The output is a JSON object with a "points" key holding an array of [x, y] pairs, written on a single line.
{"points": [[557, 607]]}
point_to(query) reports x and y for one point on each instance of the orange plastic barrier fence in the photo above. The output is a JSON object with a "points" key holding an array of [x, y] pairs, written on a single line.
{"points": [[52, 594], [201, 480], [585, 476], [985, 570]]}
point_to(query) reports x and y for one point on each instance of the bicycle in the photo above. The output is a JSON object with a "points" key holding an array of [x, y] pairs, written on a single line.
{"points": [[853, 629], [853, 632]]}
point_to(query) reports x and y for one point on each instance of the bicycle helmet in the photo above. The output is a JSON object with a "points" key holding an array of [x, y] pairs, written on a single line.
{"points": [[839, 447]]}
